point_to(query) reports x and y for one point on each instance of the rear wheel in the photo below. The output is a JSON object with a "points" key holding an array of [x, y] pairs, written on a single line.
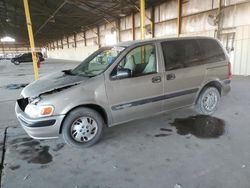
{"points": [[16, 62], [208, 101], [82, 127]]}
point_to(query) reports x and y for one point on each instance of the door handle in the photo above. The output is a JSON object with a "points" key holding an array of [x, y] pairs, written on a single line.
{"points": [[156, 79], [171, 76]]}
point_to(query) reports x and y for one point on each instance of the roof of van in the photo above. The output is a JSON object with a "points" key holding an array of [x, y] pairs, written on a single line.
{"points": [[129, 43]]}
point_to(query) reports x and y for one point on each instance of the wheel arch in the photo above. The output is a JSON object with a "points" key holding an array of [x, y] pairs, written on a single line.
{"points": [[213, 83], [95, 107]]}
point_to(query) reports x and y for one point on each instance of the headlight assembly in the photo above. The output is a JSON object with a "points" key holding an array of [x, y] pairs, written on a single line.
{"points": [[35, 111]]}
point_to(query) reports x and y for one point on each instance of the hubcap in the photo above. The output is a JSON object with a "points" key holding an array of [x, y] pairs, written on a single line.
{"points": [[210, 101], [84, 129]]}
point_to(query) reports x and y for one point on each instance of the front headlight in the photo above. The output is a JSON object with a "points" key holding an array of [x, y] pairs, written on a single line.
{"points": [[36, 111]]}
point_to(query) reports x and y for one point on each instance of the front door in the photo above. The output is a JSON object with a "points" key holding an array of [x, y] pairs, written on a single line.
{"points": [[136, 96]]}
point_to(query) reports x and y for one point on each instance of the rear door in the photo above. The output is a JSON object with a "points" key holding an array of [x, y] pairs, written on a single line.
{"points": [[29, 57], [25, 57], [22, 58], [136, 96], [184, 72]]}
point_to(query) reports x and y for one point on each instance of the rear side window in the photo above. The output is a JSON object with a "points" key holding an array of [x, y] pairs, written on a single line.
{"points": [[181, 54], [211, 51]]}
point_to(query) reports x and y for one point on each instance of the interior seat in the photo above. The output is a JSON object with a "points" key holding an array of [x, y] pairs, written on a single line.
{"points": [[150, 67], [130, 63]]}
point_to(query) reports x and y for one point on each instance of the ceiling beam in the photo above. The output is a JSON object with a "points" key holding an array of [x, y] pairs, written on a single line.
{"points": [[54, 13]]}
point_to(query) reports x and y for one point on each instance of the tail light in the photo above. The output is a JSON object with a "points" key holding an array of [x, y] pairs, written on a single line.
{"points": [[229, 76]]}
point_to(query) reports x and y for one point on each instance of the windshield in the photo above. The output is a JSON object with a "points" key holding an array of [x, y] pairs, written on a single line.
{"points": [[99, 63]]}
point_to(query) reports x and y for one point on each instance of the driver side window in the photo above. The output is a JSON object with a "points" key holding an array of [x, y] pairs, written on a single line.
{"points": [[138, 62]]}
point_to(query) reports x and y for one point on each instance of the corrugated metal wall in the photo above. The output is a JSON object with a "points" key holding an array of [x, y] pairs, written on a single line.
{"points": [[241, 63]]}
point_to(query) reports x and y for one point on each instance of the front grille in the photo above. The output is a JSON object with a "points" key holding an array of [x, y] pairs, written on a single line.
{"points": [[23, 102]]}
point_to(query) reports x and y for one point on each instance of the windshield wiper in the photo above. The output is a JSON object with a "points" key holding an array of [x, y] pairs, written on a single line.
{"points": [[68, 72]]}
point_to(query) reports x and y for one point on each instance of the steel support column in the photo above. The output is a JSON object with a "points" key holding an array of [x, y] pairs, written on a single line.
{"points": [[219, 20], [74, 40], [118, 23], [62, 43], [98, 37], [31, 38], [133, 25], [153, 21], [68, 41], [142, 16], [179, 17], [84, 36]]}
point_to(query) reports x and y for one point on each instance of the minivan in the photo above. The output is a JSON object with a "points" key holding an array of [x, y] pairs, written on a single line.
{"points": [[124, 82], [26, 57]]}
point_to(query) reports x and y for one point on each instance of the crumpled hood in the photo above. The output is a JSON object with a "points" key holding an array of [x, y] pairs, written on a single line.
{"points": [[50, 83]]}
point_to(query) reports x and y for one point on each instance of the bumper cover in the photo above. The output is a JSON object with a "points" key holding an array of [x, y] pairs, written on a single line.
{"points": [[39, 128], [226, 87]]}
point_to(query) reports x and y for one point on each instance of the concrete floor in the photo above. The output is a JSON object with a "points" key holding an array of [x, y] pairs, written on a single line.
{"points": [[163, 151]]}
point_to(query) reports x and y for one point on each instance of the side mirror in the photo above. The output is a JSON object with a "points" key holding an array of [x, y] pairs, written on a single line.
{"points": [[122, 73]]}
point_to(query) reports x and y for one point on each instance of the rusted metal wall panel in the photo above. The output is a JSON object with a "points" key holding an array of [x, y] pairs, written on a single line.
{"points": [[165, 28], [197, 23], [208, 33], [232, 2], [195, 6], [241, 63], [137, 18], [126, 35], [167, 10], [91, 33], [237, 15]]}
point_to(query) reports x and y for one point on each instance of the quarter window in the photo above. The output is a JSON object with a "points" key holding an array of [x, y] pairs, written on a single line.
{"points": [[212, 51]]}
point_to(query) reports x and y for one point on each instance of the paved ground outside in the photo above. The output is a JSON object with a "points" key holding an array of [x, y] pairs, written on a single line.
{"points": [[179, 149]]}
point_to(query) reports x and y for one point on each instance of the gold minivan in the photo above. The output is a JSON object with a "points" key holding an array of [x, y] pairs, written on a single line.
{"points": [[124, 82]]}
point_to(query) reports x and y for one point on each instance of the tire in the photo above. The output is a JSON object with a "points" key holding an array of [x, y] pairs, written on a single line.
{"points": [[208, 100], [82, 127], [16, 62]]}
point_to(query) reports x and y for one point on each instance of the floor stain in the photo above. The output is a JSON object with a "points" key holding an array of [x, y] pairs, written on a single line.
{"points": [[31, 143], [14, 167], [32, 151], [58, 147], [164, 129], [201, 126], [16, 86], [162, 135], [21, 140], [38, 155]]}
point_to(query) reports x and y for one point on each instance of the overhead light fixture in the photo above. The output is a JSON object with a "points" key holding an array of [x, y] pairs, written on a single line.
{"points": [[8, 20], [7, 39], [122, 14]]}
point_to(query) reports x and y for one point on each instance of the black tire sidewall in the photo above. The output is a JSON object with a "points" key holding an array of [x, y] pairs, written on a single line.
{"points": [[75, 114], [199, 106]]}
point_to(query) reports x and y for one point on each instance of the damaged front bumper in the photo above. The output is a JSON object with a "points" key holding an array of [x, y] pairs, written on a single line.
{"points": [[39, 128]]}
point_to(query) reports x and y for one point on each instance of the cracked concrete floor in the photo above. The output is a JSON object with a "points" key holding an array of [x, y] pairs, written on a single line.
{"points": [[161, 151]]}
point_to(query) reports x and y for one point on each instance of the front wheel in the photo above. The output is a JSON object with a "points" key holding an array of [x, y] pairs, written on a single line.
{"points": [[208, 101], [82, 127]]}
